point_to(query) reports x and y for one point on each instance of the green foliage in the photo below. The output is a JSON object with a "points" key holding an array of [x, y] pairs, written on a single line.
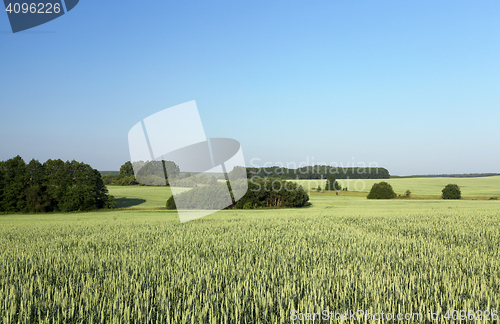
{"points": [[213, 197], [191, 180], [171, 203], [318, 172], [269, 192], [452, 191], [52, 186], [126, 169], [151, 173], [408, 193], [332, 183], [381, 190], [260, 193], [156, 173], [15, 183], [237, 172]]}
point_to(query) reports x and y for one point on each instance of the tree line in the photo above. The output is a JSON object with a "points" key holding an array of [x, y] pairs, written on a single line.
{"points": [[318, 172], [261, 193], [151, 173], [52, 186]]}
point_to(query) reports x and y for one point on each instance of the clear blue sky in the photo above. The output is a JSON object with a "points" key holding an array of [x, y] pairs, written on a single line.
{"points": [[411, 85]]}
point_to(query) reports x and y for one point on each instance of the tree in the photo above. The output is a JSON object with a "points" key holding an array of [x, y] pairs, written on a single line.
{"points": [[332, 184], [15, 183], [126, 169], [2, 185], [156, 173], [451, 191], [37, 198], [408, 193], [381, 190]]}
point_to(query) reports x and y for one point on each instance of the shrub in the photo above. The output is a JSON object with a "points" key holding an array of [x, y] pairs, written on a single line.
{"points": [[381, 190], [451, 191], [408, 193]]}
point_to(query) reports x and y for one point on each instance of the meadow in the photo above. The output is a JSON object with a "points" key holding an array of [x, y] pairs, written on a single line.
{"points": [[430, 187], [344, 253]]}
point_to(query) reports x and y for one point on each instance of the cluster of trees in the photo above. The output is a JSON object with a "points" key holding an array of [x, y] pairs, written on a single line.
{"points": [[212, 197], [124, 178], [52, 186], [319, 172], [262, 192], [269, 192], [151, 173]]}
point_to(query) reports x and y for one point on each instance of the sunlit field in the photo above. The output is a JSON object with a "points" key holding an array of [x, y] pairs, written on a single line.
{"points": [[250, 266], [470, 187]]}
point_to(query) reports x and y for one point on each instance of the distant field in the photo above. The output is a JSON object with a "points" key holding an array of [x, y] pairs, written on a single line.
{"points": [[103, 173], [249, 266], [472, 187], [139, 196]]}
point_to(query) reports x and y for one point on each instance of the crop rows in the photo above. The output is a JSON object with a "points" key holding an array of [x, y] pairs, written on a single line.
{"points": [[247, 267]]}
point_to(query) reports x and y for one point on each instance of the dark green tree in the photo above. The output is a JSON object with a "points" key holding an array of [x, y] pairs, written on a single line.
{"points": [[171, 170], [15, 182], [2, 184], [37, 198], [381, 190], [332, 183], [126, 169], [451, 191]]}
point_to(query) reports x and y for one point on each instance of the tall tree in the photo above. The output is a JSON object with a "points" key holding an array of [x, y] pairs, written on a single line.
{"points": [[126, 169], [15, 182], [2, 184], [37, 198]]}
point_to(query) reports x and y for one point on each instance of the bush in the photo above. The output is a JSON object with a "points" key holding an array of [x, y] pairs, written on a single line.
{"points": [[381, 190], [408, 193], [451, 191]]}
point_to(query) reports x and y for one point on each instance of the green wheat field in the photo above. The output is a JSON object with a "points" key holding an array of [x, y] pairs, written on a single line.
{"points": [[138, 264]]}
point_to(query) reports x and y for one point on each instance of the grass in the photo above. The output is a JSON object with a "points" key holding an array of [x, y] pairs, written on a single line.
{"points": [[470, 187], [249, 266], [139, 196]]}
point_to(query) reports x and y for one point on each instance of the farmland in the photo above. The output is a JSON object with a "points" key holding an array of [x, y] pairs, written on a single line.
{"points": [[251, 266], [429, 187]]}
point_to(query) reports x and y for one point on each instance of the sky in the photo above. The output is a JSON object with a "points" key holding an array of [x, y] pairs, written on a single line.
{"points": [[412, 86]]}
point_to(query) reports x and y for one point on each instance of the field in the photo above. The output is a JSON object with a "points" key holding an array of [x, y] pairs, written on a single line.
{"points": [[430, 187], [344, 253]]}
